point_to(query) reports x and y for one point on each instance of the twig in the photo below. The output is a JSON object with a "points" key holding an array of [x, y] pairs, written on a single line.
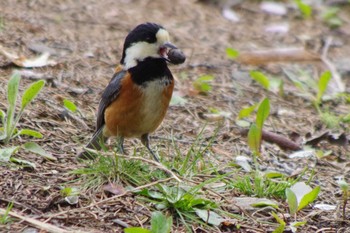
{"points": [[41, 225], [108, 199], [159, 165], [35, 211]]}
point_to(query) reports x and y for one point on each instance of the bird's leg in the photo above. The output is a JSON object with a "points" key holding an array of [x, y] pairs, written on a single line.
{"points": [[145, 142], [120, 145]]}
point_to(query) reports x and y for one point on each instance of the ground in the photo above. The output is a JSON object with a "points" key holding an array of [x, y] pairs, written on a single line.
{"points": [[85, 39]]}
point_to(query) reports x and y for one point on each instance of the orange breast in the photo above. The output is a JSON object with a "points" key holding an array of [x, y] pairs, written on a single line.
{"points": [[138, 109]]}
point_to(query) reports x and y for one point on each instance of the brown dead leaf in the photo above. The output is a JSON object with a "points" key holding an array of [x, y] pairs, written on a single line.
{"points": [[115, 189], [335, 139], [21, 61]]}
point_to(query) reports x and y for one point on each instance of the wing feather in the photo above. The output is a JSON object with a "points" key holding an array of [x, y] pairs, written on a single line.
{"points": [[110, 94]]}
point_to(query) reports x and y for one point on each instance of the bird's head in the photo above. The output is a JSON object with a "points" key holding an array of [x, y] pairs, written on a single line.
{"points": [[147, 40]]}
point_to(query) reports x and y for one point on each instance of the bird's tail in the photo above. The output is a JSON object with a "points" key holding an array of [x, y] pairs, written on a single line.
{"points": [[95, 143]]}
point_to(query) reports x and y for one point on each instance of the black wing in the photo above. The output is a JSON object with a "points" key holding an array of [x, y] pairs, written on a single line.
{"points": [[108, 96]]}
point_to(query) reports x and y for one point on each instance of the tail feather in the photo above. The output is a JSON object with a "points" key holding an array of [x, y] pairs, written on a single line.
{"points": [[95, 143]]}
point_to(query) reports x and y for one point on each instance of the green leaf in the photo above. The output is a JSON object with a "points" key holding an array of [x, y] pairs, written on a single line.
{"points": [[298, 224], [245, 112], [260, 78], [305, 9], [160, 223], [12, 92], [202, 84], [70, 105], [35, 148], [136, 230], [322, 85], [209, 216], [254, 138], [308, 198], [23, 162], [262, 113], [31, 92], [30, 132], [265, 203], [280, 228], [2, 116], [232, 53], [6, 153], [292, 201]]}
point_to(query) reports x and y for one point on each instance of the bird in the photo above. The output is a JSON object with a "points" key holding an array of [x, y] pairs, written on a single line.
{"points": [[135, 101]]}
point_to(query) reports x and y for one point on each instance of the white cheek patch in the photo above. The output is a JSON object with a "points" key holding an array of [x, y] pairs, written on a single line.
{"points": [[162, 36], [139, 51]]}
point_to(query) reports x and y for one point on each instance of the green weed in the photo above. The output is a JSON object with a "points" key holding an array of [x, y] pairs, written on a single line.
{"points": [[10, 121], [5, 218], [159, 224]]}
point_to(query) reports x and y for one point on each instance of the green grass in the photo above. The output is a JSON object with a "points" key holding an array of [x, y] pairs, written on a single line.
{"points": [[4, 219], [114, 169], [259, 185]]}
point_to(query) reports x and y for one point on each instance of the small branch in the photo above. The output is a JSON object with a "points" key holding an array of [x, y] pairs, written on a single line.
{"points": [[280, 140], [41, 225], [261, 57], [108, 199]]}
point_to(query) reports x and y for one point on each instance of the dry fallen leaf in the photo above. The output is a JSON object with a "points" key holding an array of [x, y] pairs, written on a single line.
{"points": [[115, 189], [21, 61]]}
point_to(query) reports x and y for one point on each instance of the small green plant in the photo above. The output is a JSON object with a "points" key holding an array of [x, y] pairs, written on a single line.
{"points": [[203, 83], [69, 105], [232, 53], [187, 205], [344, 186], [263, 185], [331, 18], [274, 84], [112, 169], [9, 120], [255, 131], [322, 86], [159, 224], [262, 79], [70, 194], [193, 162], [4, 219], [304, 8], [300, 195], [282, 224]]}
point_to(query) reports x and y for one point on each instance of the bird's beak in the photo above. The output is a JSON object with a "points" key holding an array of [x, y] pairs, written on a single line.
{"points": [[171, 53]]}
